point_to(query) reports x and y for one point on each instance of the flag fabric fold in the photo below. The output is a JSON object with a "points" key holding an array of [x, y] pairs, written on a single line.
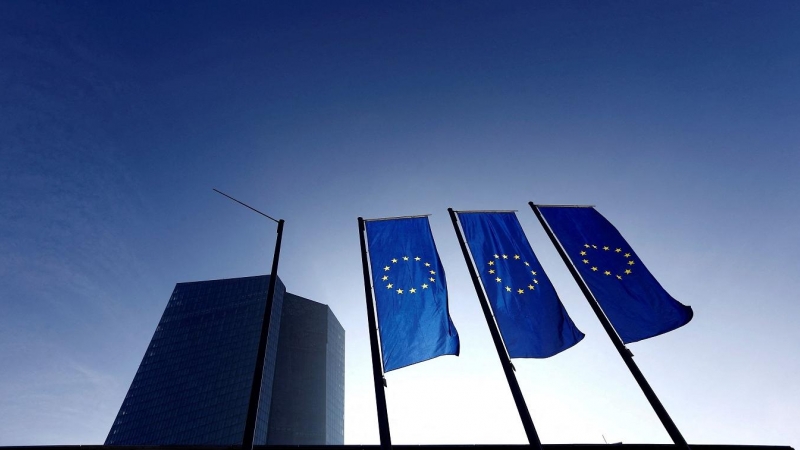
{"points": [[632, 299], [410, 292], [529, 314]]}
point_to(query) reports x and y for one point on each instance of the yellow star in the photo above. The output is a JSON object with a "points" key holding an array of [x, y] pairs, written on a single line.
{"points": [[432, 280], [427, 264], [520, 291], [594, 246], [491, 263], [627, 255], [389, 286], [605, 247], [433, 272], [533, 272], [412, 290], [583, 253], [531, 287], [526, 263], [385, 277], [498, 279], [594, 268], [586, 261], [400, 291], [424, 286], [607, 272], [505, 256], [405, 258], [386, 268], [617, 250], [628, 271], [535, 281], [491, 270], [630, 263], [496, 256], [516, 256], [417, 258], [619, 277], [508, 289], [394, 260], [586, 245]]}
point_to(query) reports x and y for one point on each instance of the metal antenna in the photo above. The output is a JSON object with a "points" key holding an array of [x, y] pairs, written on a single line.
{"points": [[246, 206]]}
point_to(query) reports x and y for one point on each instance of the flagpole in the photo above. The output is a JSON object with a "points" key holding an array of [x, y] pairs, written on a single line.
{"points": [[505, 361], [377, 367], [248, 437], [255, 389], [624, 352]]}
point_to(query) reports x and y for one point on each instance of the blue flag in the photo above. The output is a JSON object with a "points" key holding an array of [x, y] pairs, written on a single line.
{"points": [[635, 304], [410, 292], [531, 318]]}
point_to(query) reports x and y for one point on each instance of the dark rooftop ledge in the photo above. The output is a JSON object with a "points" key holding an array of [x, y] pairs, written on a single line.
{"points": [[401, 447]]}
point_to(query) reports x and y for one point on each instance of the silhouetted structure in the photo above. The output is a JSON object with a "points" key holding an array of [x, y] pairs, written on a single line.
{"points": [[308, 391], [193, 385]]}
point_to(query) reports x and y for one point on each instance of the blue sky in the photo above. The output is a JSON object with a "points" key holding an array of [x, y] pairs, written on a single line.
{"points": [[679, 120]]}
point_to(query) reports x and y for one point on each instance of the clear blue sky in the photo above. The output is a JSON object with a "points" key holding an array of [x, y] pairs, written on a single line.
{"points": [[680, 120]]}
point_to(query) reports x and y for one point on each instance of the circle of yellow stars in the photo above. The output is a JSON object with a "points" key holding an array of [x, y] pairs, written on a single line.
{"points": [[587, 248], [412, 290], [506, 285]]}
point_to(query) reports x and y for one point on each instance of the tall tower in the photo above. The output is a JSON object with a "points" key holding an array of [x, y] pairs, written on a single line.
{"points": [[308, 392], [193, 385]]}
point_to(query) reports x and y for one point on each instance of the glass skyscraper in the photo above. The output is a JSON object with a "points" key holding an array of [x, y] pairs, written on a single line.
{"points": [[307, 395], [193, 385]]}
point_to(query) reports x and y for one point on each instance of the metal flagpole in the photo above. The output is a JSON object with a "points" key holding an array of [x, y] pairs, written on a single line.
{"points": [[255, 389], [377, 367], [505, 361], [624, 352]]}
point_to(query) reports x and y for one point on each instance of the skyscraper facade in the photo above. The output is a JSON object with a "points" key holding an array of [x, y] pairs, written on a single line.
{"points": [[193, 385], [308, 392]]}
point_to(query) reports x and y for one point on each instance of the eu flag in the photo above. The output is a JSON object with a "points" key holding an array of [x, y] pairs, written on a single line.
{"points": [[531, 318], [632, 299], [410, 292]]}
